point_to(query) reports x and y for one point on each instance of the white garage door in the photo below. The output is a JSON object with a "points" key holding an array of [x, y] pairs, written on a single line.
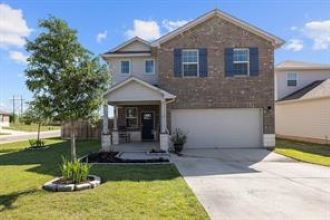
{"points": [[211, 128]]}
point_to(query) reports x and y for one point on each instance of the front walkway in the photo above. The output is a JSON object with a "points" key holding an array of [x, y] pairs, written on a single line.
{"points": [[137, 147], [138, 151], [256, 184]]}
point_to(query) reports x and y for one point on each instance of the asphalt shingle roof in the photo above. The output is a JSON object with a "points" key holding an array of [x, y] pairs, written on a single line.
{"points": [[303, 91]]}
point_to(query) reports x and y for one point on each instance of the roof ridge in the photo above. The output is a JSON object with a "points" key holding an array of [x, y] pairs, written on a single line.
{"points": [[231, 18], [312, 64]]}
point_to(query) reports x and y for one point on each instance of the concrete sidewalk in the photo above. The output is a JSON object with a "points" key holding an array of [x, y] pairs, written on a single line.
{"points": [[15, 136]]}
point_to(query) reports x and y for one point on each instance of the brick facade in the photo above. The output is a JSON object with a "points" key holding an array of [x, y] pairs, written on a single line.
{"points": [[216, 90]]}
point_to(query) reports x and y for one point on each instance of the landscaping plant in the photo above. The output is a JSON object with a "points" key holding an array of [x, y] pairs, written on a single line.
{"points": [[178, 139], [75, 171], [36, 143]]}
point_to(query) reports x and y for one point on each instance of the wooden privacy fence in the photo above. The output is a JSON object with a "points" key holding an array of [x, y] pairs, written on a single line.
{"points": [[84, 129]]}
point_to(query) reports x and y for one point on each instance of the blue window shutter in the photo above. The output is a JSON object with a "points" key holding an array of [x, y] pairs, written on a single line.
{"points": [[254, 61], [177, 62], [229, 61], [202, 52]]}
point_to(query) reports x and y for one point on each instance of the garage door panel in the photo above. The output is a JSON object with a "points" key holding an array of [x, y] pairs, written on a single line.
{"points": [[219, 127]]}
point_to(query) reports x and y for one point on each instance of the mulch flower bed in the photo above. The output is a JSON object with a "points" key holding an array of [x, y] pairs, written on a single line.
{"points": [[37, 147], [66, 181], [153, 151], [112, 157]]}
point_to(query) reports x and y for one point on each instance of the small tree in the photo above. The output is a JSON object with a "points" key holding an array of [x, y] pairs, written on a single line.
{"points": [[39, 112], [65, 75]]}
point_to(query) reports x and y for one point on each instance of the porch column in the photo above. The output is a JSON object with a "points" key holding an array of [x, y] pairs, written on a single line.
{"points": [[163, 137], [115, 134], [105, 137]]}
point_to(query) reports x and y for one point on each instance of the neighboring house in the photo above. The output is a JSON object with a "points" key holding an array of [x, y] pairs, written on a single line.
{"points": [[213, 78], [302, 108], [4, 119]]}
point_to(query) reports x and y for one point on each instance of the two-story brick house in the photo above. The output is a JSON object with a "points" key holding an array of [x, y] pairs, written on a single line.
{"points": [[213, 78]]}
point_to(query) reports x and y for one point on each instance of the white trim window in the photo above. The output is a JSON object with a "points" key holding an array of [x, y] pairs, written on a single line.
{"points": [[292, 79], [125, 67], [241, 62], [132, 117], [149, 66], [190, 64]]}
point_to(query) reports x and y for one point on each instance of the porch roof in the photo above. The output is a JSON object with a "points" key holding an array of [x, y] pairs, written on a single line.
{"points": [[134, 90]]}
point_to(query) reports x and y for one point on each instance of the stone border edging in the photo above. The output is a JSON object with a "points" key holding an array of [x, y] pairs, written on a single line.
{"points": [[55, 187], [158, 163]]}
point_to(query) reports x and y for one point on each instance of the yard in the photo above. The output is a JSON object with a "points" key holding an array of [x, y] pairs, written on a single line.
{"points": [[307, 152], [31, 127], [127, 192]]}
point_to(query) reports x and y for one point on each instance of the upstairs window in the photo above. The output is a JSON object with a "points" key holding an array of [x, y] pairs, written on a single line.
{"points": [[149, 67], [190, 63], [241, 61], [131, 117], [125, 67], [292, 79]]}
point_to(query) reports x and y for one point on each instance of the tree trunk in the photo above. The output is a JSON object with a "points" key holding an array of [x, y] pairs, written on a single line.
{"points": [[73, 142]]}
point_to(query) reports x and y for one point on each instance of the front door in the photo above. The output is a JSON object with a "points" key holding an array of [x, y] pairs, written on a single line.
{"points": [[148, 125]]}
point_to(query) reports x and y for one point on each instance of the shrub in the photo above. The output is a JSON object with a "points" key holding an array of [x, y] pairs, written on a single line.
{"points": [[75, 171], [178, 139], [36, 142]]}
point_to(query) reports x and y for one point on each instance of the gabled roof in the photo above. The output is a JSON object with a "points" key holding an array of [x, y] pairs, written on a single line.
{"points": [[126, 43], [165, 94], [316, 89], [277, 42], [298, 65]]}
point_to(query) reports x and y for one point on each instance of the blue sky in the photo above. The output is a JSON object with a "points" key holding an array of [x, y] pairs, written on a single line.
{"points": [[101, 25]]}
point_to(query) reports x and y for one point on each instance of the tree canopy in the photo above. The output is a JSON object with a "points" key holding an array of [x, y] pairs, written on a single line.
{"points": [[64, 75]]}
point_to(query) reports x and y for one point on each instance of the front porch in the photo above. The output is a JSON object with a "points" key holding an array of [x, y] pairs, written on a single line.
{"points": [[136, 147], [139, 117]]}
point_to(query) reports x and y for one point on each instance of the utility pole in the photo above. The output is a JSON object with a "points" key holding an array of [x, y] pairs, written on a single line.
{"points": [[13, 106], [21, 105], [20, 111]]}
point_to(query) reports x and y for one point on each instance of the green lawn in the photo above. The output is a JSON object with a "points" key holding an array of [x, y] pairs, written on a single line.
{"points": [[32, 127], [307, 152], [127, 192]]}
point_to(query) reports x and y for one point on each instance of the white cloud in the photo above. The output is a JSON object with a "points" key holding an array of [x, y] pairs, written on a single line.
{"points": [[101, 36], [294, 45], [172, 25], [13, 27], [147, 30], [18, 57], [319, 32], [293, 28]]}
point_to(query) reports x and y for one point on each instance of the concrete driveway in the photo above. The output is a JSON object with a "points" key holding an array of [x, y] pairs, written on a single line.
{"points": [[256, 184]]}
